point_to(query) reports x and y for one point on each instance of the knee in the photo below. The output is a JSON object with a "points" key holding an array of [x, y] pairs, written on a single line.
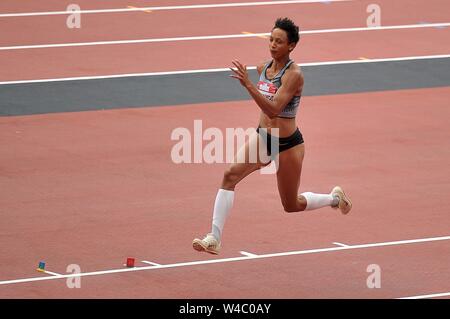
{"points": [[290, 207]]}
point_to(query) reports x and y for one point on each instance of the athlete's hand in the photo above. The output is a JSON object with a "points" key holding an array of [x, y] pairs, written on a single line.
{"points": [[240, 73]]}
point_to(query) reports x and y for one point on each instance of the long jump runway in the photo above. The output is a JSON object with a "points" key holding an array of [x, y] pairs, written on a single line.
{"points": [[87, 179]]}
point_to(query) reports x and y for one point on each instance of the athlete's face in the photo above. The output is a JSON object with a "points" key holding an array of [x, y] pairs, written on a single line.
{"points": [[279, 45]]}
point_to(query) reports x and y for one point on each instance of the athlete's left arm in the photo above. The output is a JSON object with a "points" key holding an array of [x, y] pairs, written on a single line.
{"points": [[292, 80]]}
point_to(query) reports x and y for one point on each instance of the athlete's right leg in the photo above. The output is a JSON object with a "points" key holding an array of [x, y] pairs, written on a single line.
{"points": [[242, 166]]}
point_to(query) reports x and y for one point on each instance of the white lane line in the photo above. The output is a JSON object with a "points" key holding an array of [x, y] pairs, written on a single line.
{"points": [[388, 27], [216, 37], [150, 263], [51, 273], [201, 6], [115, 76], [215, 261], [146, 11], [340, 244], [247, 254], [444, 294]]}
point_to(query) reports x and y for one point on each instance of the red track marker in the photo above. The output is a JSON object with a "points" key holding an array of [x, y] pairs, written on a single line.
{"points": [[130, 262]]}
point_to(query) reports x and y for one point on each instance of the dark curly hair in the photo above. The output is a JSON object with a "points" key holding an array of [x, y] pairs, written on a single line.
{"points": [[289, 26]]}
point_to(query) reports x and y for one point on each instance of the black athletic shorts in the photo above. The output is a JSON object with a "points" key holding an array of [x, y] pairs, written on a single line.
{"points": [[284, 143]]}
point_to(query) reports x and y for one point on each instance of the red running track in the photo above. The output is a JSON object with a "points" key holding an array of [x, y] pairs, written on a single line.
{"points": [[209, 21], [93, 188], [28, 64]]}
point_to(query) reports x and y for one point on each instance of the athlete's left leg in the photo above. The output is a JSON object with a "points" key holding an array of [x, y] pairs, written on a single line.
{"points": [[288, 178]]}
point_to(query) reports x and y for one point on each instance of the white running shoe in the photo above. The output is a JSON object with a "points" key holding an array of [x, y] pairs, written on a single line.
{"points": [[208, 244], [345, 204]]}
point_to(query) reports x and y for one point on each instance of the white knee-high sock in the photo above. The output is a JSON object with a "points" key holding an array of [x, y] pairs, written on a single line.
{"points": [[222, 207], [315, 201]]}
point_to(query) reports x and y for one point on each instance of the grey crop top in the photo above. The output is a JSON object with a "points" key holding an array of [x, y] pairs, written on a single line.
{"points": [[268, 88]]}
